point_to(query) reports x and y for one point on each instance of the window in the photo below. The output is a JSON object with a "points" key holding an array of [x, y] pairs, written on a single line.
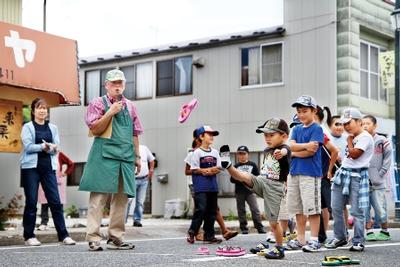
{"points": [[138, 85], [75, 178], [130, 82], [92, 85], [262, 64], [174, 76], [370, 76], [226, 188], [144, 80]]}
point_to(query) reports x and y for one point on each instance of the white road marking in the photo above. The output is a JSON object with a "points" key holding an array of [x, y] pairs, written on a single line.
{"points": [[286, 252]]}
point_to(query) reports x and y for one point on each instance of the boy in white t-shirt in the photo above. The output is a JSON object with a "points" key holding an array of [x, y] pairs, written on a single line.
{"points": [[351, 182]]}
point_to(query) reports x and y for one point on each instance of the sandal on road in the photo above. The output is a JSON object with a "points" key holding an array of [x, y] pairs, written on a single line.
{"points": [[338, 261], [203, 251], [230, 251]]}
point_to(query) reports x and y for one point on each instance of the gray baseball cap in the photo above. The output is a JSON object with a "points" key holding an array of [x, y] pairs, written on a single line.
{"points": [[306, 101], [349, 114]]}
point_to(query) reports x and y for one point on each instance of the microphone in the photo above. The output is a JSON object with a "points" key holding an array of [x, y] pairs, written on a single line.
{"points": [[119, 97]]}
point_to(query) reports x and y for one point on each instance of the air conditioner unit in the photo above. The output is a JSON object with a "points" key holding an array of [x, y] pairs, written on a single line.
{"points": [[199, 62]]}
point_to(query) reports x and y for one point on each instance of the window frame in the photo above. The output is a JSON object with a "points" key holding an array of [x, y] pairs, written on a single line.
{"points": [[174, 90], [369, 72], [263, 85]]}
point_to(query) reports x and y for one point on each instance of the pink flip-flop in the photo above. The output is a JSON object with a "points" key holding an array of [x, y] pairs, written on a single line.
{"points": [[203, 251], [230, 251], [186, 110]]}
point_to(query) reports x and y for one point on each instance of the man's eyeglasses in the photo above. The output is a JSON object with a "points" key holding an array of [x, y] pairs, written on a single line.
{"points": [[338, 124]]}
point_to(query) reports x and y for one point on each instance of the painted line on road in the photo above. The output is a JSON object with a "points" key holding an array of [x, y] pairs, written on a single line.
{"points": [[132, 252], [218, 258]]}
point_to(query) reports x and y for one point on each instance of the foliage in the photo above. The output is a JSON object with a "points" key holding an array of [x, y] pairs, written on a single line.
{"points": [[231, 216], [72, 212]]}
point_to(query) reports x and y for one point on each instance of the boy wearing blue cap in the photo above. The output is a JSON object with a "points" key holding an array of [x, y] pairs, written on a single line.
{"points": [[304, 182]]}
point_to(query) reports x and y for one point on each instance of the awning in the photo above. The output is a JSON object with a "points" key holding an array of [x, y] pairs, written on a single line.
{"points": [[34, 63]]}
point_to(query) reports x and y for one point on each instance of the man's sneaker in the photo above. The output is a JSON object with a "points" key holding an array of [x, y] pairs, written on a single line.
{"points": [[371, 236], [357, 247], [275, 253], [95, 246], [270, 238], [312, 246], [230, 234], [32, 242], [383, 236], [259, 247], [190, 237], [43, 227], [212, 240], [335, 243], [119, 244], [294, 245], [245, 232], [68, 241]]}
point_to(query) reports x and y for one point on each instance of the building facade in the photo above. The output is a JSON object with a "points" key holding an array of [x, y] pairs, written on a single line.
{"points": [[324, 48]]}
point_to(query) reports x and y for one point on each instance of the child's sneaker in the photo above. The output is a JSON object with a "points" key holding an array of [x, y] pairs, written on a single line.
{"points": [[312, 246], [383, 236], [275, 253], [270, 238], [294, 245], [335, 243], [371, 236], [224, 152], [357, 247], [259, 247]]}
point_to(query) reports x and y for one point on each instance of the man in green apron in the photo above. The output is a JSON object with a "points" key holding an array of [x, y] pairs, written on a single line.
{"points": [[110, 168]]}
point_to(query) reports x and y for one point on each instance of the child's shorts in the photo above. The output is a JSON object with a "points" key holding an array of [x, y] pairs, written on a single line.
{"points": [[272, 192], [283, 212], [304, 195]]}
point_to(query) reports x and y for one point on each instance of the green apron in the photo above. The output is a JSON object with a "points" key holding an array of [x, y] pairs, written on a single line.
{"points": [[109, 157]]}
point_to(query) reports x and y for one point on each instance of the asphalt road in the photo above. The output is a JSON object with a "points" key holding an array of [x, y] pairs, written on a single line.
{"points": [[176, 252]]}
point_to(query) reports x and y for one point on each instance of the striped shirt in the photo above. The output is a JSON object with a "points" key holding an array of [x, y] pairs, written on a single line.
{"points": [[96, 110]]}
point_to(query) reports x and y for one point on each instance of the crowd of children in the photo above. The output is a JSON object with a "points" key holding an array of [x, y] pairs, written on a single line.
{"points": [[312, 173]]}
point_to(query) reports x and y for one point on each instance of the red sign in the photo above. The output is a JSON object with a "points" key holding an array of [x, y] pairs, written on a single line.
{"points": [[38, 60]]}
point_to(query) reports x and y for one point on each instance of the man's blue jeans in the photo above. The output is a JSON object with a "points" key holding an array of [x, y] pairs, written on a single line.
{"points": [[338, 202], [30, 180], [141, 190]]}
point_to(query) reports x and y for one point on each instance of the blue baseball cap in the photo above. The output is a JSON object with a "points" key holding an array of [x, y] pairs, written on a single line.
{"points": [[305, 101], [206, 129]]}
